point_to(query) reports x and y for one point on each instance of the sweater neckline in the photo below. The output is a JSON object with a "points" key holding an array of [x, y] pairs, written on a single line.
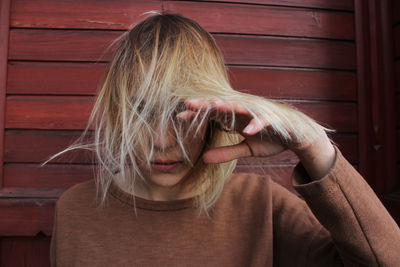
{"points": [[147, 204]]}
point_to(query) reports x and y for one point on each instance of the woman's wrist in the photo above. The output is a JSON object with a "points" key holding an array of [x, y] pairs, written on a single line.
{"points": [[318, 158]]}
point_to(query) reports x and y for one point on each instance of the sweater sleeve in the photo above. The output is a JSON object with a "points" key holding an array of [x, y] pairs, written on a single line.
{"points": [[362, 231]]}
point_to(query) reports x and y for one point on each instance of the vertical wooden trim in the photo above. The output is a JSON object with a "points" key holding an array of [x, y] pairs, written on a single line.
{"points": [[363, 88], [4, 33], [376, 102], [388, 99]]}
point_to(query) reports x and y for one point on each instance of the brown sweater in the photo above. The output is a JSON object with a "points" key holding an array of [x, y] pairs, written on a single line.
{"points": [[255, 222]]}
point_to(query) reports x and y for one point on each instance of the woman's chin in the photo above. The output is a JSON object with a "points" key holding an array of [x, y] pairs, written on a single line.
{"points": [[163, 179]]}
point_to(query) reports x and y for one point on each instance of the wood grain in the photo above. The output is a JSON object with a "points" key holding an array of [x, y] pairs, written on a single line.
{"points": [[26, 217], [257, 50], [54, 78], [4, 40], [220, 17], [68, 78], [339, 4], [48, 112], [294, 83], [87, 14], [67, 45], [73, 112], [37, 146], [30, 176], [234, 18]]}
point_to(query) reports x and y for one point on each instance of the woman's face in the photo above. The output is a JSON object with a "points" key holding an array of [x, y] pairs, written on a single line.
{"points": [[168, 165]]}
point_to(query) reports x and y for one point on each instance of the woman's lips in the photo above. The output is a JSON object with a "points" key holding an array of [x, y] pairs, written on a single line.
{"points": [[165, 166]]}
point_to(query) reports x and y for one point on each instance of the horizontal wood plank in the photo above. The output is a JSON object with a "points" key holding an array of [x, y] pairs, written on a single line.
{"points": [[338, 4], [83, 79], [67, 45], [54, 78], [26, 217], [37, 146], [89, 14], [49, 176], [220, 17], [256, 50], [22, 146], [48, 112], [72, 113], [337, 115], [234, 18], [294, 83]]}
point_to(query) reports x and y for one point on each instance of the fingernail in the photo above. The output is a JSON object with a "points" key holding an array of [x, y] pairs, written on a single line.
{"points": [[248, 128]]}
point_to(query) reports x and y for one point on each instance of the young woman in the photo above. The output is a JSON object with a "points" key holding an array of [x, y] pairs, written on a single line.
{"points": [[168, 129]]}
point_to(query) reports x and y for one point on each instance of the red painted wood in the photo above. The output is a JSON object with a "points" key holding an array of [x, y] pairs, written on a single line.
{"points": [[26, 217], [54, 78], [73, 113], [234, 18], [340, 116], [376, 91], [294, 83], [287, 52], [48, 112], [37, 146], [25, 251], [4, 31], [83, 79], [337, 4], [66, 45], [221, 17], [19, 193], [258, 50], [87, 14], [49, 176]]}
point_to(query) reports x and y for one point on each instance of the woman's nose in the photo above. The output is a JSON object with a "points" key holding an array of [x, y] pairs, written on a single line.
{"points": [[164, 141]]}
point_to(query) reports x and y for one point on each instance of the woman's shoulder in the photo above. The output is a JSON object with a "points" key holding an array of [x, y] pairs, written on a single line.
{"points": [[77, 195]]}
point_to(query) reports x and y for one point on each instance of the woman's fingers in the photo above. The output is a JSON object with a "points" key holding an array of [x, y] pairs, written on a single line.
{"points": [[227, 153], [255, 126], [219, 110], [186, 115]]}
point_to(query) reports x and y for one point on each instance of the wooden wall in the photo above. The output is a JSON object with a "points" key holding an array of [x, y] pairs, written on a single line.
{"points": [[54, 52]]}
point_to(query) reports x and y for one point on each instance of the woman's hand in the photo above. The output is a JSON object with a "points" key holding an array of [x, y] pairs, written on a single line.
{"points": [[316, 157]]}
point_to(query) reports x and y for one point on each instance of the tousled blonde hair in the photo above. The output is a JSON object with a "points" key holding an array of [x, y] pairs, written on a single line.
{"points": [[157, 65]]}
